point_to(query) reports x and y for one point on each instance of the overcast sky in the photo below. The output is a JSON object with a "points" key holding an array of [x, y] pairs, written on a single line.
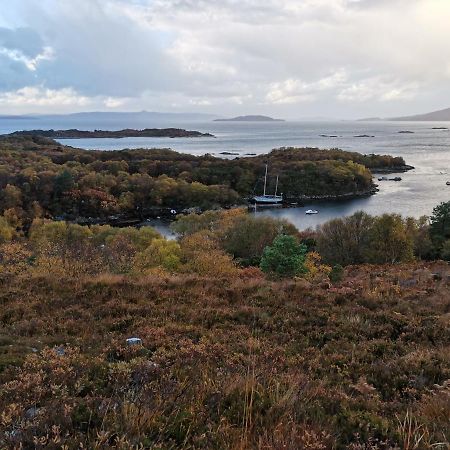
{"points": [[285, 58]]}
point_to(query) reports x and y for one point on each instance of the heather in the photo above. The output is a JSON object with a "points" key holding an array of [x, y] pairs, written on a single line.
{"points": [[235, 352]]}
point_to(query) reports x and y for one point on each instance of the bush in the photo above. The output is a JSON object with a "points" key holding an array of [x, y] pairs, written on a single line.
{"points": [[284, 258], [337, 273]]}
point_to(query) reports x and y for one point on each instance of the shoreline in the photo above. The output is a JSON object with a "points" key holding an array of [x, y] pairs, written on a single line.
{"points": [[167, 215]]}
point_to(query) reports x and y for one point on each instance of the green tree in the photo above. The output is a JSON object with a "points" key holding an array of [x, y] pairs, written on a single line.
{"points": [[445, 250], [440, 225], [284, 258], [63, 183]]}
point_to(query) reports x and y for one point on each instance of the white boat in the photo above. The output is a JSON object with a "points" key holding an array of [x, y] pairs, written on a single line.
{"points": [[267, 199], [311, 211]]}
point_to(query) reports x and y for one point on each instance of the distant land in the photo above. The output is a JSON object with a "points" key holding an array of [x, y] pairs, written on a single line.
{"points": [[128, 117], [435, 116], [128, 132], [443, 115], [250, 119]]}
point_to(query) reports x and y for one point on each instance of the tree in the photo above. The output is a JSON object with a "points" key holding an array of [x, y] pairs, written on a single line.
{"points": [[6, 230], [445, 250], [440, 225], [344, 241], [63, 183], [160, 253], [419, 230], [247, 238], [11, 197], [284, 258], [389, 241], [201, 254]]}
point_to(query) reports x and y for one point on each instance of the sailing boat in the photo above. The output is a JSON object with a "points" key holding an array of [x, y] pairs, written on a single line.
{"points": [[266, 199]]}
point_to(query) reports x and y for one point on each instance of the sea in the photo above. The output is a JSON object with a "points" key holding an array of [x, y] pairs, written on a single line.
{"points": [[424, 145]]}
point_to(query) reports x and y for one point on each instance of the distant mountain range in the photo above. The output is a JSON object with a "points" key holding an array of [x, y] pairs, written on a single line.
{"points": [[149, 116], [443, 115], [250, 119]]}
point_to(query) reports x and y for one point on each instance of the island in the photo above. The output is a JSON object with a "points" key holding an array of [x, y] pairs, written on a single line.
{"points": [[250, 119], [129, 186], [118, 134]]}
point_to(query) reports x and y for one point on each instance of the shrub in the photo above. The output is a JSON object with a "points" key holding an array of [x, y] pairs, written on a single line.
{"points": [[284, 258]]}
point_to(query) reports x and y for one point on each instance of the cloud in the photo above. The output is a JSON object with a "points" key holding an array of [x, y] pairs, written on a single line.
{"points": [[288, 57], [30, 63], [35, 96], [297, 91], [378, 89]]}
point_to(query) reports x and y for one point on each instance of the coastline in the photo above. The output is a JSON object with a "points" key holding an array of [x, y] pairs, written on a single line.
{"points": [[166, 214]]}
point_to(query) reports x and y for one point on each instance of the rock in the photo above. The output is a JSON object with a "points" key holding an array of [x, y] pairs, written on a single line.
{"points": [[408, 283], [32, 412], [134, 341]]}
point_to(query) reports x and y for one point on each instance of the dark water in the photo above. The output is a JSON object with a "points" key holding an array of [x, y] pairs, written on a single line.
{"points": [[418, 192]]}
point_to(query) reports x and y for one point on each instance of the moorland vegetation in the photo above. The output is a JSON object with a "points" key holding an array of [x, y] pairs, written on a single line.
{"points": [[253, 334]]}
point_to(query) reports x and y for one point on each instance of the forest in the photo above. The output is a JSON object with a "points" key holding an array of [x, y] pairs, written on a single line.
{"points": [[40, 178], [249, 334]]}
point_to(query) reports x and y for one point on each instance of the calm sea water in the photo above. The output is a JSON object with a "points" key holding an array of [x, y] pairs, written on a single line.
{"points": [[419, 191]]}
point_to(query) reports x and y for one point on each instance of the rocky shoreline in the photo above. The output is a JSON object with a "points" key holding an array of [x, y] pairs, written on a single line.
{"points": [[394, 169], [168, 214]]}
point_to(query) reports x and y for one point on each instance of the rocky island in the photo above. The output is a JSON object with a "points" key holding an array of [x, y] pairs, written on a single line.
{"points": [[126, 133], [250, 119]]}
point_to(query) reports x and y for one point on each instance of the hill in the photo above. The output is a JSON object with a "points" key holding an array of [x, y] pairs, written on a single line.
{"points": [[249, 119], [225, 362], [436, 116]]}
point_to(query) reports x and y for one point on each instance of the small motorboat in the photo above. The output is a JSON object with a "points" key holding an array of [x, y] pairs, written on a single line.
{"points": [[382, 179], [311, 211]]}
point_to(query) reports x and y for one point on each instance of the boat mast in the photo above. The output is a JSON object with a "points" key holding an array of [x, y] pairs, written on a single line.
{"points": [[265, 182], [276, 187]]}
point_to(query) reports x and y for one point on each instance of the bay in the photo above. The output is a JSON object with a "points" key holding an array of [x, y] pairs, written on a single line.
{"points": [[423, 147]]}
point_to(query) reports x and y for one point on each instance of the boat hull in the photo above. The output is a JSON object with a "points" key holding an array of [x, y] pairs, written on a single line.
{"points": [[267, 200]]}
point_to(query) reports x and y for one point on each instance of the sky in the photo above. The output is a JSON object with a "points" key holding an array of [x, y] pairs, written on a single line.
{"points": [[291, 59]]}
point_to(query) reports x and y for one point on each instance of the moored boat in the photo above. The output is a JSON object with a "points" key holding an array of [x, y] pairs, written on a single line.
{"points": [[267, 199], [311, 211]]}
